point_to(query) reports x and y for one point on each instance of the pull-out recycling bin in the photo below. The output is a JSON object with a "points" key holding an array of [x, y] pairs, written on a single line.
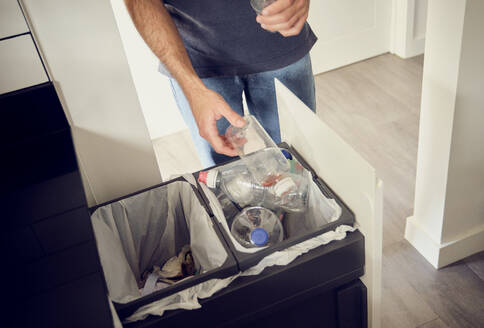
{"points": [[146, 229], [325, 212], [320, 286]]}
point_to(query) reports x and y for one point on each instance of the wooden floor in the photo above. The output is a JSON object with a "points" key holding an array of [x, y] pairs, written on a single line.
{"points": [[374, 105]]}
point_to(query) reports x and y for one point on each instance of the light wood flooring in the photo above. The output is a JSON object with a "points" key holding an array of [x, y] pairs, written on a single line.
{"points": [[374, 105]]}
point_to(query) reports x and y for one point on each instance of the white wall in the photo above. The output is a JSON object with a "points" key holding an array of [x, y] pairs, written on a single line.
{"points": [[409, 20], [83, 53], [348, 31], [448, 220], [420, 19], [153, 88]]}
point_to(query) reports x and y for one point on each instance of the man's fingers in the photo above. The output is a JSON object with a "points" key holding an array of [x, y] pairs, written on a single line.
{"points": [[231, 116], [209, 132], [209, 108], [282, 16], [220, 145], [288, 21], [296, 29], [286, 25], [276, 7]]}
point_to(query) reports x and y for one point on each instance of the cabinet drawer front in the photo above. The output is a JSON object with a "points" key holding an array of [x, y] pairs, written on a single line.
{"points": [[38, 160], [60, 268], [20, 64], [30, 113], [39, 201], [12, 20], [67, 229], [22, 246], [82, 303]]}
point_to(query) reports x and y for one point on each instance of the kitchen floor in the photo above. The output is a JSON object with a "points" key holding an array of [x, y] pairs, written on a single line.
{"points": [[374, 105]]}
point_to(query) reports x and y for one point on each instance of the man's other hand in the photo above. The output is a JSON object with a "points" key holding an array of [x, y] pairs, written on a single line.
{"points": [[208, 107], [284, 16]]}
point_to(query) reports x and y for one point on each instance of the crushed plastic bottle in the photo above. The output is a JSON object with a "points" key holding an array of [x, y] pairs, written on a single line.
{"points": [[292, 192], [287, 184], [236, 182], [257, 227], [267, 165], [258, 151], [269, 176], [289, 191]]}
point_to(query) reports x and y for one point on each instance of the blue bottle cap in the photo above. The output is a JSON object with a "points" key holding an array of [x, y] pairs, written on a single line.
{"points": [[286, 154], [259, 237]]}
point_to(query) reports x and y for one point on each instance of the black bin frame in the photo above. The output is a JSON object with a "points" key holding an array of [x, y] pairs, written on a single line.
{"points": [[228, 269], [247, 260]]}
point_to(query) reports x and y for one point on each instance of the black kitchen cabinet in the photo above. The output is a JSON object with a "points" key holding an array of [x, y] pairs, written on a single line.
{"points": [[318, 289], [52, 270]]}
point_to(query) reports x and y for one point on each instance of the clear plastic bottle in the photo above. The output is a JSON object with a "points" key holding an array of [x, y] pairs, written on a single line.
{"points": [[236, 182], [289, 191], [295, 166], [229, 209], [267, 165], [258, 5], [258, 151], [287, 185], [257, 227]]}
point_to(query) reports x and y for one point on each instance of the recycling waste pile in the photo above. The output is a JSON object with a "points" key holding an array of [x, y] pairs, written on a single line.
{"points": [[257, 191], [165, 247]]}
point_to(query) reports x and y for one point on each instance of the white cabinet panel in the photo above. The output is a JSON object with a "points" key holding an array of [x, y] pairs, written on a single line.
{"points": [[348, 174], [12, 21], [20, 65]]}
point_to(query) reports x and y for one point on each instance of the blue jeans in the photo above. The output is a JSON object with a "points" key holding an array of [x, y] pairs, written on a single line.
{"points": [[260, 95]]}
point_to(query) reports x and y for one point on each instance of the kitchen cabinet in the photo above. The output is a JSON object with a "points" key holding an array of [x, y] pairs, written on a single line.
{"points": [[20, 64], [51, 267], [12, 20]]}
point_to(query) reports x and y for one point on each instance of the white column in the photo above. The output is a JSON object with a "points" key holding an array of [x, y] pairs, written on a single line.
{"points": [[82, 49], [448, 220]]}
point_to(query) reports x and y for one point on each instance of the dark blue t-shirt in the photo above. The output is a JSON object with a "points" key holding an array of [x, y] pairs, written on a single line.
{"points": [[223, 38]]}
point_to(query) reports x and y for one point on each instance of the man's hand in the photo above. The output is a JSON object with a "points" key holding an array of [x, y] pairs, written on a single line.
{"points": [[208, 107], [284, 16]]}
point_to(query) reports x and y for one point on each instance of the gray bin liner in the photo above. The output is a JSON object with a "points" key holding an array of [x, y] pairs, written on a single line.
{"points": [[147, 229]]}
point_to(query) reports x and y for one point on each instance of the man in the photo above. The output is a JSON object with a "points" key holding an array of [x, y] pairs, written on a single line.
{"points": [[213, 50]]}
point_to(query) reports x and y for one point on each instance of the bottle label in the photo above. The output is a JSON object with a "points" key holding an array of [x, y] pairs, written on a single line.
{"points": [[271, 180], [202, 177], [212, 178]]}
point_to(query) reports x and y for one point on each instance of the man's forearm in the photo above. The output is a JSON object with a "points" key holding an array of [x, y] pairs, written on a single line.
{"points": [[160, 33], [155, 25]]}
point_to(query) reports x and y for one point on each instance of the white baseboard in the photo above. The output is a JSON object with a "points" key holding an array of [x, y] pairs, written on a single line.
{"points": [[442, 254], [410, 49]]}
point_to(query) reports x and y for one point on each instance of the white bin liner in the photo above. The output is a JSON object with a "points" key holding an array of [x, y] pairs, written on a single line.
{"points": [[188, 298], [321, 211], [137, 239]]}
